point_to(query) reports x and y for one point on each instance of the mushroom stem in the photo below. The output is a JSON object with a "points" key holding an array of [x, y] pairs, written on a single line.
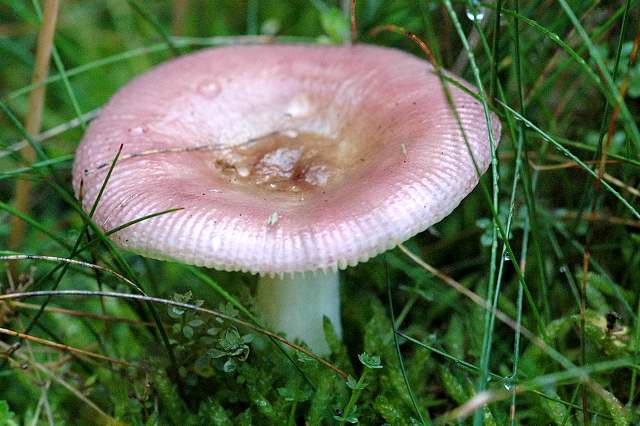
{"points": [[295, 304]]}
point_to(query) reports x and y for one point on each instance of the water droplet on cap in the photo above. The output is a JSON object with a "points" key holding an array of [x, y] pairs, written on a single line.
{"points": [[299, 106], [209, 88], [137, 131], [243, 171], [290, 133]]}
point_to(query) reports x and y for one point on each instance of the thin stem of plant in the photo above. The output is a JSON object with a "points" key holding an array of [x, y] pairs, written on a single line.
{"points": [[537, 341], [63, 348], [583, 336], [59, 380], [178, 15], [34, 116], [633, 57], [355, 394], [79, 314], [354, 27], [139, 297]]}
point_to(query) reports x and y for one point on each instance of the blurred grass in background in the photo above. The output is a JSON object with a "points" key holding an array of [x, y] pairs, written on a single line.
{"points": [[557, 79]]}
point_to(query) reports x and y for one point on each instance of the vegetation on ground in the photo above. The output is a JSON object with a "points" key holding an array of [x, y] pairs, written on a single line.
{"points": [[521, 307]]}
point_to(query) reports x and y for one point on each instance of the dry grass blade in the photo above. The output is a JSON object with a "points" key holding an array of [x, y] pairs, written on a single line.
{"points": [[481, 399], [83, 293], [620, 184], [477, 401], [633, 57], [72, 262], [354, 27], [24, 359], [572, 164], [178, 12], [62, 347], [597, 217], [34, 116], [184, 149], [563, 165], [411, 36], [548, 243], [50, 133], [80, 314], [459, 288]]}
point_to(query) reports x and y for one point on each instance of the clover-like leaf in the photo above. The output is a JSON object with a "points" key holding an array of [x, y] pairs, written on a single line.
{"points": [[353, 383], [187, 331], [196, 323], [370, 361], [215, 353]]}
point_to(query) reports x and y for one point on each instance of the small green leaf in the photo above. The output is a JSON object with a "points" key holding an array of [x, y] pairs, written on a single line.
{"points": [[215, 353], [229, 366], [182, 372], [286, 393], [350, 419], [231, 339], [324, 398], [216, 414], [389, 411], [175, 312], [353, 383], [183, 298], [187, 332], [295, 391], [555, 410], [207, 341], [90, 381], [335, 25], [262, 404], [304, 358], [370, 361], [228, 310], [7, 417], [452, 385], [336, 345], [202, 367], [621, 416]]}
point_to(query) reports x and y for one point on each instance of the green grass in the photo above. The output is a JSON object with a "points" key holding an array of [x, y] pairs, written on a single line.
{"points": [[503, 314]]}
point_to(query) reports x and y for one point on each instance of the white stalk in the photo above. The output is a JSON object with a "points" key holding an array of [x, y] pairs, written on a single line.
{"points": [[296, 303]]}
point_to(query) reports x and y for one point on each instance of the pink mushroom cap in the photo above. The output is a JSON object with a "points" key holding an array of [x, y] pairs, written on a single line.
{"points": [[283, 158]]}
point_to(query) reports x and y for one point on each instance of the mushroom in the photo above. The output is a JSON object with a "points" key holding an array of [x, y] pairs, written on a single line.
{"points": [[291, 162]]}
